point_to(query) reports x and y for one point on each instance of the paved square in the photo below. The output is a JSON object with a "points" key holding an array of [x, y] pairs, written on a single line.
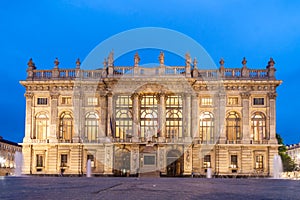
{"points": [[146, 188]]}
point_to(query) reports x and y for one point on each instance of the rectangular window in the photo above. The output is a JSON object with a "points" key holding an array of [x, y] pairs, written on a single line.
{"points": [[233, 101], [149, 160], [39, 160], [91, 157], [259, 101], [42, 101], [92, 101], [259, 162], [66, 101], [63, 160], [206, 101], [233, 161], [206, 161]]}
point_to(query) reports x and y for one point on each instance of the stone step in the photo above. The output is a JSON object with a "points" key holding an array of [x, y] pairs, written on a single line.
{"points": [[151, 174]]}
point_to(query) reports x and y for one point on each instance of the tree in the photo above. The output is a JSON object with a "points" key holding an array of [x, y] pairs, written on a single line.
{"points": [[287, 163]]}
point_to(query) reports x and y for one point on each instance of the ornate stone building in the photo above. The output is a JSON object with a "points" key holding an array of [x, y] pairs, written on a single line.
{"points": [[165, 120], [8, 151]]}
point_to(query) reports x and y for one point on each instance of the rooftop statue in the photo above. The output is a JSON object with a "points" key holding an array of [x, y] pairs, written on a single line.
{"points": [[111, 59], [136, 59], [188, 59], [161, 58], [31, 64]]}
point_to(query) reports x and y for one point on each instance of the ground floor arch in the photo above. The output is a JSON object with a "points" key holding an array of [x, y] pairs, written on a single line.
{"points": [[175, 163]]}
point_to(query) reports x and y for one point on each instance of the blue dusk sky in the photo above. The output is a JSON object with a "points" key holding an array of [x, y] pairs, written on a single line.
{"points": [[69, 29]]}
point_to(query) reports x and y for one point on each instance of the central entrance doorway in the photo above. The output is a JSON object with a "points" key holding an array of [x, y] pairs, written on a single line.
{"points": [[174, 163], [122, 162]]}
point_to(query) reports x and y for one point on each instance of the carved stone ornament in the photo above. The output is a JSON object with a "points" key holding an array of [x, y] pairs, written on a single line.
{"points": [[245, 95], [161, 58], [272, 95], [31, 64], [78, 63], [136, 59], [56, 63], [54, 95], [28, 95]]}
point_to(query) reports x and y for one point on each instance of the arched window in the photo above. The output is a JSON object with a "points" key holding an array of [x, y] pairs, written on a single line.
{"points": [[258, 127], [121, 124], [174, 117], [233, 127], [91, 126], [66, 126], [206, 128], [41, 126], [148, 116]]}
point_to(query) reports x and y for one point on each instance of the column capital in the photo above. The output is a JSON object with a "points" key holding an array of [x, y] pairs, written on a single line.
{"points": [[28, 95], [272, 95], [245, 95], [54, 95]]}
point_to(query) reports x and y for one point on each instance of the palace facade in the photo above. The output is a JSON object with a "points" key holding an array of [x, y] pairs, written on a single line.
{"points": [[164, 120]]}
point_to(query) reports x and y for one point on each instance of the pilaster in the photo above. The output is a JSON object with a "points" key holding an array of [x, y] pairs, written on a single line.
{"points": [[245, 118], [272, 117], [195, 114], [29, 116], [54, 117]]}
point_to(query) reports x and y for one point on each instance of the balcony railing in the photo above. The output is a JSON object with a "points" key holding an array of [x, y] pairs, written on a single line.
{"points": [[117, 71]]}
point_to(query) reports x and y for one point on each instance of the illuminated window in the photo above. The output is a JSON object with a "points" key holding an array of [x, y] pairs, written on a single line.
{"points": [[259, 162], [206, 128], [66, 126], [233, 127], [122, 124], [41, 126], [233, 101], [63, 160], [39, 160], [42, 101], [66, 100], [233, 161], [149, 120], [206, 101], [92, 159], [91, 126], [259, 101], [92, 101], [174, 117], [206, 161], [258, 126]]}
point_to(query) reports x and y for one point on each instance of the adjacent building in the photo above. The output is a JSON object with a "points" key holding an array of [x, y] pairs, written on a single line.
{"points": [[164, 120], [8, 151], [293, 151]]}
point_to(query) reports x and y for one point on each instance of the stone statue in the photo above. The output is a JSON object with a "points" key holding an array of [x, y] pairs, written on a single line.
{"points": [[111, 59], [31, 64], [105, 63], [56, 62], [188, 59], [161, 58], [78, 63], [136, 59], [195, 62], [244, 62]]}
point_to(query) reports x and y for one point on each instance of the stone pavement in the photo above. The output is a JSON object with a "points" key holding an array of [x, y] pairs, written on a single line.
{"points": [[146, 188]]}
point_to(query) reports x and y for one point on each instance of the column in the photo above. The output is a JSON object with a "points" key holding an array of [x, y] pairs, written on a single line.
{"points": [[77, 120], [54, 119], [134, 166], [246, 137], [136, 124], [220, 118], [272, 117], [28, 120], [110, 119], [195, 115], [188, 157], [162, 116], [188, 116], [108, 159]]}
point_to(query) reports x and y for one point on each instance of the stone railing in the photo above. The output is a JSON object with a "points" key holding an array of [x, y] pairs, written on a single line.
{"points": [[118, 71]]}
